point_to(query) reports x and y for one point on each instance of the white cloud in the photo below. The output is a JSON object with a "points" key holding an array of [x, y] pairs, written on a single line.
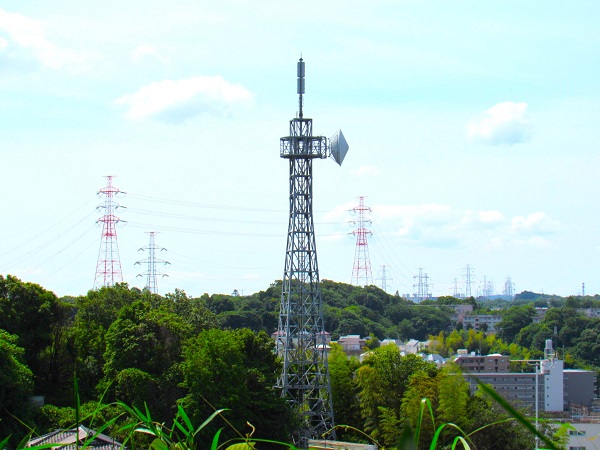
{"points": [[483, 216], [503, 124], [366, 171], [428, 224], [534, 223], [538, 242], [445, 226], [146, 51], [175, 101], [23, 43]]}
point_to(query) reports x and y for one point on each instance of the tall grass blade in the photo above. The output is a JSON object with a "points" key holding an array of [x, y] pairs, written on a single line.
{"points": [[215, 441], [207, 421], [439, 430], [463, 441], [188, 423], [4, 443]]}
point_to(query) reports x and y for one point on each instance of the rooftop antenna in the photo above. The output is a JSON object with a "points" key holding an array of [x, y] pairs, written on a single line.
{"points": [[301, 336]]}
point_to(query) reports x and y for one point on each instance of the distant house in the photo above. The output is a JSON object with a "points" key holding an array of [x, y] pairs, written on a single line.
{"points": [[352, 344], [395, 342], [413, 346], [439, 360], [74, 438]]}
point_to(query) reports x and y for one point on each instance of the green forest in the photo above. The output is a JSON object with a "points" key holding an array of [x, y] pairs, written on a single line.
{"points": [[215, 351]]}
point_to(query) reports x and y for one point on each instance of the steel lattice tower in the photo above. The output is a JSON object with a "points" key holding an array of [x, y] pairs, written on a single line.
{"points": [[108, 268], [361, 271], [422, 285], [468, 280], [301, 337], [384, 279], [152, 261], [509, 288]]}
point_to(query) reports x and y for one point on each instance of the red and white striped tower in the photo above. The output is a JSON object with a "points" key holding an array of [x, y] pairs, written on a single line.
{"points": [[108, 269], [361, 272]]}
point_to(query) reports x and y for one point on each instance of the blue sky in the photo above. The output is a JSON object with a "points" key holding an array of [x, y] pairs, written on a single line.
{"points": [[472, 129]]}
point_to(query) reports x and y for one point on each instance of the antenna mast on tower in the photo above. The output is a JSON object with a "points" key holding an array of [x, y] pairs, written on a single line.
{"points": [[108, 268], [361, 271], [301, 336], [152, 261]]}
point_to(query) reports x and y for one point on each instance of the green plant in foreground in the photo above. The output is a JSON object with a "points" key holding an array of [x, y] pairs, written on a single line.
{"points": [[183, 434], [409, 437]]}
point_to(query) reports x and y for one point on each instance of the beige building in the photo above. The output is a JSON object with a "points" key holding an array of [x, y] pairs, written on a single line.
{"points": [[495, 363]]}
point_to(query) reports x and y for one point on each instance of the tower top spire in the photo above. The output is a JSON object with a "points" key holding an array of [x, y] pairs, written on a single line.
{"points": [[300, 83]]}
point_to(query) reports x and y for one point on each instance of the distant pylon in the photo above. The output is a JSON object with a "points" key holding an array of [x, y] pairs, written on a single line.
{"points": [[455, 292], [152, 261], [422, 285], [384, 279], [468, 280], [487, 288], [361, 271], [108, 268], [509, 288]]}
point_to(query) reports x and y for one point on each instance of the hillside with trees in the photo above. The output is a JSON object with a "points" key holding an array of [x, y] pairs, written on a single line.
{"points": [[215, 351]]}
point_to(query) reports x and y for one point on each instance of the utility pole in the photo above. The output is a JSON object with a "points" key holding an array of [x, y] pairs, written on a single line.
{"points": [[152, 261], [108, 267]]}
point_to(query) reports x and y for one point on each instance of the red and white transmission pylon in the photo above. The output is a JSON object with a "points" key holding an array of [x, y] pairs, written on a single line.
{"points": [[108, 269], [361, 272]]}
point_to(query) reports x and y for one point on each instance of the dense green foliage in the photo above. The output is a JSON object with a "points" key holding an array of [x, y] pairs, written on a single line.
{"points": [[165, 353]]}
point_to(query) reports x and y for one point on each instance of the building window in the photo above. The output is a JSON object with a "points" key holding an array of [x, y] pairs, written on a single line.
{"points": [[577, 432]]}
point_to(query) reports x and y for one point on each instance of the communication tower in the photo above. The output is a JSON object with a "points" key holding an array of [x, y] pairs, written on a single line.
{"points": [[152, 261], [301, 337], [108, 268], [361, 271]]}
